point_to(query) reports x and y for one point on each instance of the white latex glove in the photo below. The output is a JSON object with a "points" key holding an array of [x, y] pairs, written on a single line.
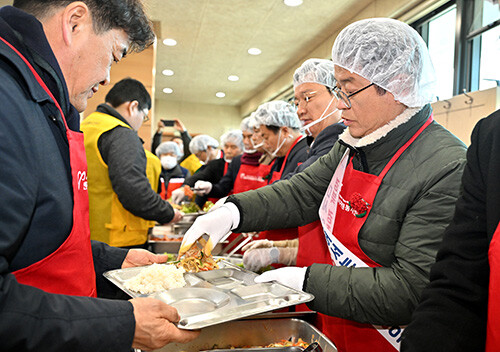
{"points": [[291, 276], [258, 258], [257, 244], [216, 224], [178, 195], [202, 187]]}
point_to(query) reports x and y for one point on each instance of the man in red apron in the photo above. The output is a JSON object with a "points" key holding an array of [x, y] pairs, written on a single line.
{"points": [[459, 310], [316, 105], [384, 193], [50, 271]]}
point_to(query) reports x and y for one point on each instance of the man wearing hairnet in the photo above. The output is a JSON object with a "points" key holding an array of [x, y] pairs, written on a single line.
{"points": [[170, 154], [122, 176], [316, 106], [384, 193]]}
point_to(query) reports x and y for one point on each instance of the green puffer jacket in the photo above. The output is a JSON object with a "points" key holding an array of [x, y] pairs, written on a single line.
{"points": [[413, 206]]}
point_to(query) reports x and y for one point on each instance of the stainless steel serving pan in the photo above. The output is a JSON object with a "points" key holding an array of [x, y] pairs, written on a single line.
{"points": [[260, 332], [217, 296]]}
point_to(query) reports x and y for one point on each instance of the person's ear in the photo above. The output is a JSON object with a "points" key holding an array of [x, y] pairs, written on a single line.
{"points": [[286, 131], [132, 107], [76, 21]]}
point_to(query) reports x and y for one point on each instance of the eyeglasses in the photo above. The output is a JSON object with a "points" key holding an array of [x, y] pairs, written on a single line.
{"points": [[344, 97], [145, 116]]}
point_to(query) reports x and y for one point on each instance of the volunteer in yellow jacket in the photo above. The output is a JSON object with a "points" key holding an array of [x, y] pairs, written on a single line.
{"points": [[122, 176]]}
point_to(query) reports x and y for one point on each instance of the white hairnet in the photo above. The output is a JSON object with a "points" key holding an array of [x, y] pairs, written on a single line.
{"points": [[169, 147], [252, 122], [201, 142], [390, 54], [246, 125], [277, 113], [315, 71], [233, 136]]}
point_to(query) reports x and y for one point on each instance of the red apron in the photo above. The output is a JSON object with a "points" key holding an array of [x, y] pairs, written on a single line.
{"points": [[493, 326], [248, 178], [344, 210], [281, 234], [69, 269]]}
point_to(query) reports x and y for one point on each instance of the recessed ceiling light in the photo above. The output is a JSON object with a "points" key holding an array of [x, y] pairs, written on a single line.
{"points": [[170, 42], [168, 72], [292, 2], [233, 78], [254, 51], [220, 94], [168, 90]]}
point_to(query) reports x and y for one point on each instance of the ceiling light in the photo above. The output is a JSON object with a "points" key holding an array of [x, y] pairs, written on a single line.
{"points": [[168, 90], [169, 42], [292, 2], [233, 78], [220, 94], [254, 51], [168, 72]]}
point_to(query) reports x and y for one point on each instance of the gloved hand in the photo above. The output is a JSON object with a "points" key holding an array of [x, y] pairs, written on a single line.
{"points": [[178, 195], [257, 244], [202, 187], [291, 276], [216, 224], [218, 204], [258, 258]]}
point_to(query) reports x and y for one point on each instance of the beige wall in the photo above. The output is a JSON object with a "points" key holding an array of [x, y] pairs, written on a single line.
{"points": [[461, 113], [209, 119]]}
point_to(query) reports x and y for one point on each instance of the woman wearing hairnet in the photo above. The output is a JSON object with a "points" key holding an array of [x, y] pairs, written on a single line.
{"points": [[170, 154], [384, 193]]}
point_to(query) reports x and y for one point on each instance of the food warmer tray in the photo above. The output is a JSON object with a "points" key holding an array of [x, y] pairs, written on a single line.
{"points": [[259, 332], [217, 296]]}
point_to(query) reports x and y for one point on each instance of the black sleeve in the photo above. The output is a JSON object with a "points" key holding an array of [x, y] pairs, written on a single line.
{"points": [[452, 313], [226, 183], [211, 172], [186, 139], [107, 258], [156, 142], [123, 152]]}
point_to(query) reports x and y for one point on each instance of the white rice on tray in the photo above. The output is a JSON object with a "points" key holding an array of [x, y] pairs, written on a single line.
{"points": [[156, 277]]}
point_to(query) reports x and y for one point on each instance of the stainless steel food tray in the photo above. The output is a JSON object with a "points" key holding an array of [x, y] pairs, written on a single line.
{"points": [[252, 333], [217, 296]]}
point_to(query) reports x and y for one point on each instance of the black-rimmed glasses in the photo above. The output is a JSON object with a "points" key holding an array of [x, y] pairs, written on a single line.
{"points": [[345, 97]]}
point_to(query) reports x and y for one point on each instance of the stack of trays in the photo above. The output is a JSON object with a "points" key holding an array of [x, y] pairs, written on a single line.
{"points": [[217, 296]]}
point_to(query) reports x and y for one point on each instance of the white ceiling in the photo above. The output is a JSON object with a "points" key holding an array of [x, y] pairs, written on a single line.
{"points": [[213, 37]]}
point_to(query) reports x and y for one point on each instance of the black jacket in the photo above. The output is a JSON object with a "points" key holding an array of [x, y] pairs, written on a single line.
{"points": [[211, 172], [319, 146], [36, 207], [452, 313], [297, 156], [121, 149]]}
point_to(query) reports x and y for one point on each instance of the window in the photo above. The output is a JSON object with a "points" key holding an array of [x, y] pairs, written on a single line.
{"points": [[465, 57]]}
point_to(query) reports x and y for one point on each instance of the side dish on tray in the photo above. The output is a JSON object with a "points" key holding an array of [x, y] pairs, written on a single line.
{"points": [[155, 278], [195, 259]]}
